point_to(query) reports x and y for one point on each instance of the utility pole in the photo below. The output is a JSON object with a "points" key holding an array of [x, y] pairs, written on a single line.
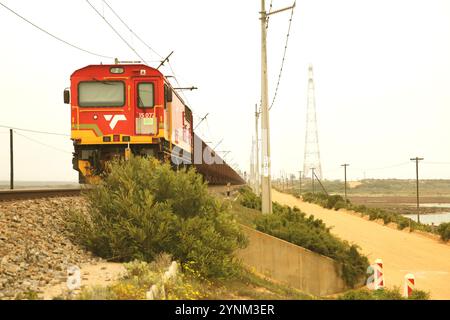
{"points": [[300, 182], [257, 177], [345, 165], [312, 179], [265, 129], [11, 158], [266, 187], [417, 159]]}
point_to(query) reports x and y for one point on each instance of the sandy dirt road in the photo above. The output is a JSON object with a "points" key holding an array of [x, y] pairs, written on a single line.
{"points": [[402, 252], [99, 274]]}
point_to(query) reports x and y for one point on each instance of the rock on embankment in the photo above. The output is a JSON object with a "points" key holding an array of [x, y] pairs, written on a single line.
{"points": [[35, 249]]}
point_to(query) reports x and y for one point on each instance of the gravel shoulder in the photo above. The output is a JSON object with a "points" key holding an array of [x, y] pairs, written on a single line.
{"points": [[402, 252], [92, 274], [35, 247]]}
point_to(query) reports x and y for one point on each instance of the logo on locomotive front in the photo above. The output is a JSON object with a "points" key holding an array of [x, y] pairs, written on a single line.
{"points": [[114, 119]]}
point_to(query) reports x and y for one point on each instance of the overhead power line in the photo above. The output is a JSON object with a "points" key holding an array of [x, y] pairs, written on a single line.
{"points": [[53, 36], [116, 32], [43, 144], [284, 56], [431, 162], [386, 167], [166, 59], [35, 131], [148, 46], [202, 119], [270, 10], [178, 84], [134, 33], [142, 41]]}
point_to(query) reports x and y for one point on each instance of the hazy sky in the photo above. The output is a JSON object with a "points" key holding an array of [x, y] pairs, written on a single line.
{"points": [[382, 75]]}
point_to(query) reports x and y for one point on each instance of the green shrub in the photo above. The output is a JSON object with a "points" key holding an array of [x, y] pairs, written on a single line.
{"points": [[403, 224], [419, 295], [249, 199], [332, 200], [362, 294], [138, 279], [340, 205], [27, 295], [142, 208], [382, 294], [293, 226], [444, 231], [337, 202]]}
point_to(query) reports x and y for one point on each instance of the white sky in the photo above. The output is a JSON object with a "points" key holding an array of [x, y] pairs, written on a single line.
{"points": [[382, 75]]}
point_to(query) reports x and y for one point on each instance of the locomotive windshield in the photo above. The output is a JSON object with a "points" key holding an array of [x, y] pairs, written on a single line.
{"points": [[146, 95], [101, 94]]}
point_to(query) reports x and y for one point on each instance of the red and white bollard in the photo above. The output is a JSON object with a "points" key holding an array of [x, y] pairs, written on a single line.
{"points": [[409, 285], [378, 274]]}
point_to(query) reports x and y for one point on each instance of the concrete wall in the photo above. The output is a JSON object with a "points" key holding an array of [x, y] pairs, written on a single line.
{"points": [[293, 265]]}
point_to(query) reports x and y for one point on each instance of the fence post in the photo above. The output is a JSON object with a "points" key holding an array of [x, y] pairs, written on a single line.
{"points": [[378, 274], [409, 285]]}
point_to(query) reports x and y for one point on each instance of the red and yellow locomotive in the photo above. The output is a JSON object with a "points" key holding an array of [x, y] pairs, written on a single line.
{"points": [[122, 108]]}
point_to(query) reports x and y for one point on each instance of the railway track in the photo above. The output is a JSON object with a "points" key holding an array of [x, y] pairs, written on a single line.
{"points": [[24, 194], [21, 194]]}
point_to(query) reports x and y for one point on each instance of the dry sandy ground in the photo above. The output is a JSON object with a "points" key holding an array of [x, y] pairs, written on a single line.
{"points": [[100, 274], [402, 252]]}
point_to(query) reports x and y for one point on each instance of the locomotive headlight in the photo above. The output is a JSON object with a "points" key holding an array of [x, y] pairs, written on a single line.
{"points": [[95, 117], [116, 70]]}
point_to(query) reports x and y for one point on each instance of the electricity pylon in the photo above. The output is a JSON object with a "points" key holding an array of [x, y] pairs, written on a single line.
{"points": [[312, 153]]}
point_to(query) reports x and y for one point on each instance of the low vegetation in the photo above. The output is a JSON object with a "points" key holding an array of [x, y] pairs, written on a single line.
{"points": [[143, 208], [140, 276], [383, 294], [401, 187], [444, 231], [386, 187], [187, 285], [294, 226], [337, 202]]}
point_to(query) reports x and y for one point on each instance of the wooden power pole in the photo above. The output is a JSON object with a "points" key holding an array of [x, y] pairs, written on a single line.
{"points": [[345, 165], [11, 158], [417, 159]]}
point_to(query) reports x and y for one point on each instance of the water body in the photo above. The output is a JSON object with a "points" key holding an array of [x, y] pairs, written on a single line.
{"points": [[428, 205], [436, 218], [435, 205]]}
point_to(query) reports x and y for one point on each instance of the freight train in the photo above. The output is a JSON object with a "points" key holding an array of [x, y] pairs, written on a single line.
{"points": [[123, 109]]}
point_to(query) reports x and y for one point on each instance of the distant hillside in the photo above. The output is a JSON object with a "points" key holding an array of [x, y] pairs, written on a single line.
{"points": [[394, 187], [403, 187], [39, 184]]}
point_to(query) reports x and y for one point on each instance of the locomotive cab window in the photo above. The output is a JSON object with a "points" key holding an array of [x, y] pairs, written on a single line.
{"points": [[101, 94], [146, 95]]}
